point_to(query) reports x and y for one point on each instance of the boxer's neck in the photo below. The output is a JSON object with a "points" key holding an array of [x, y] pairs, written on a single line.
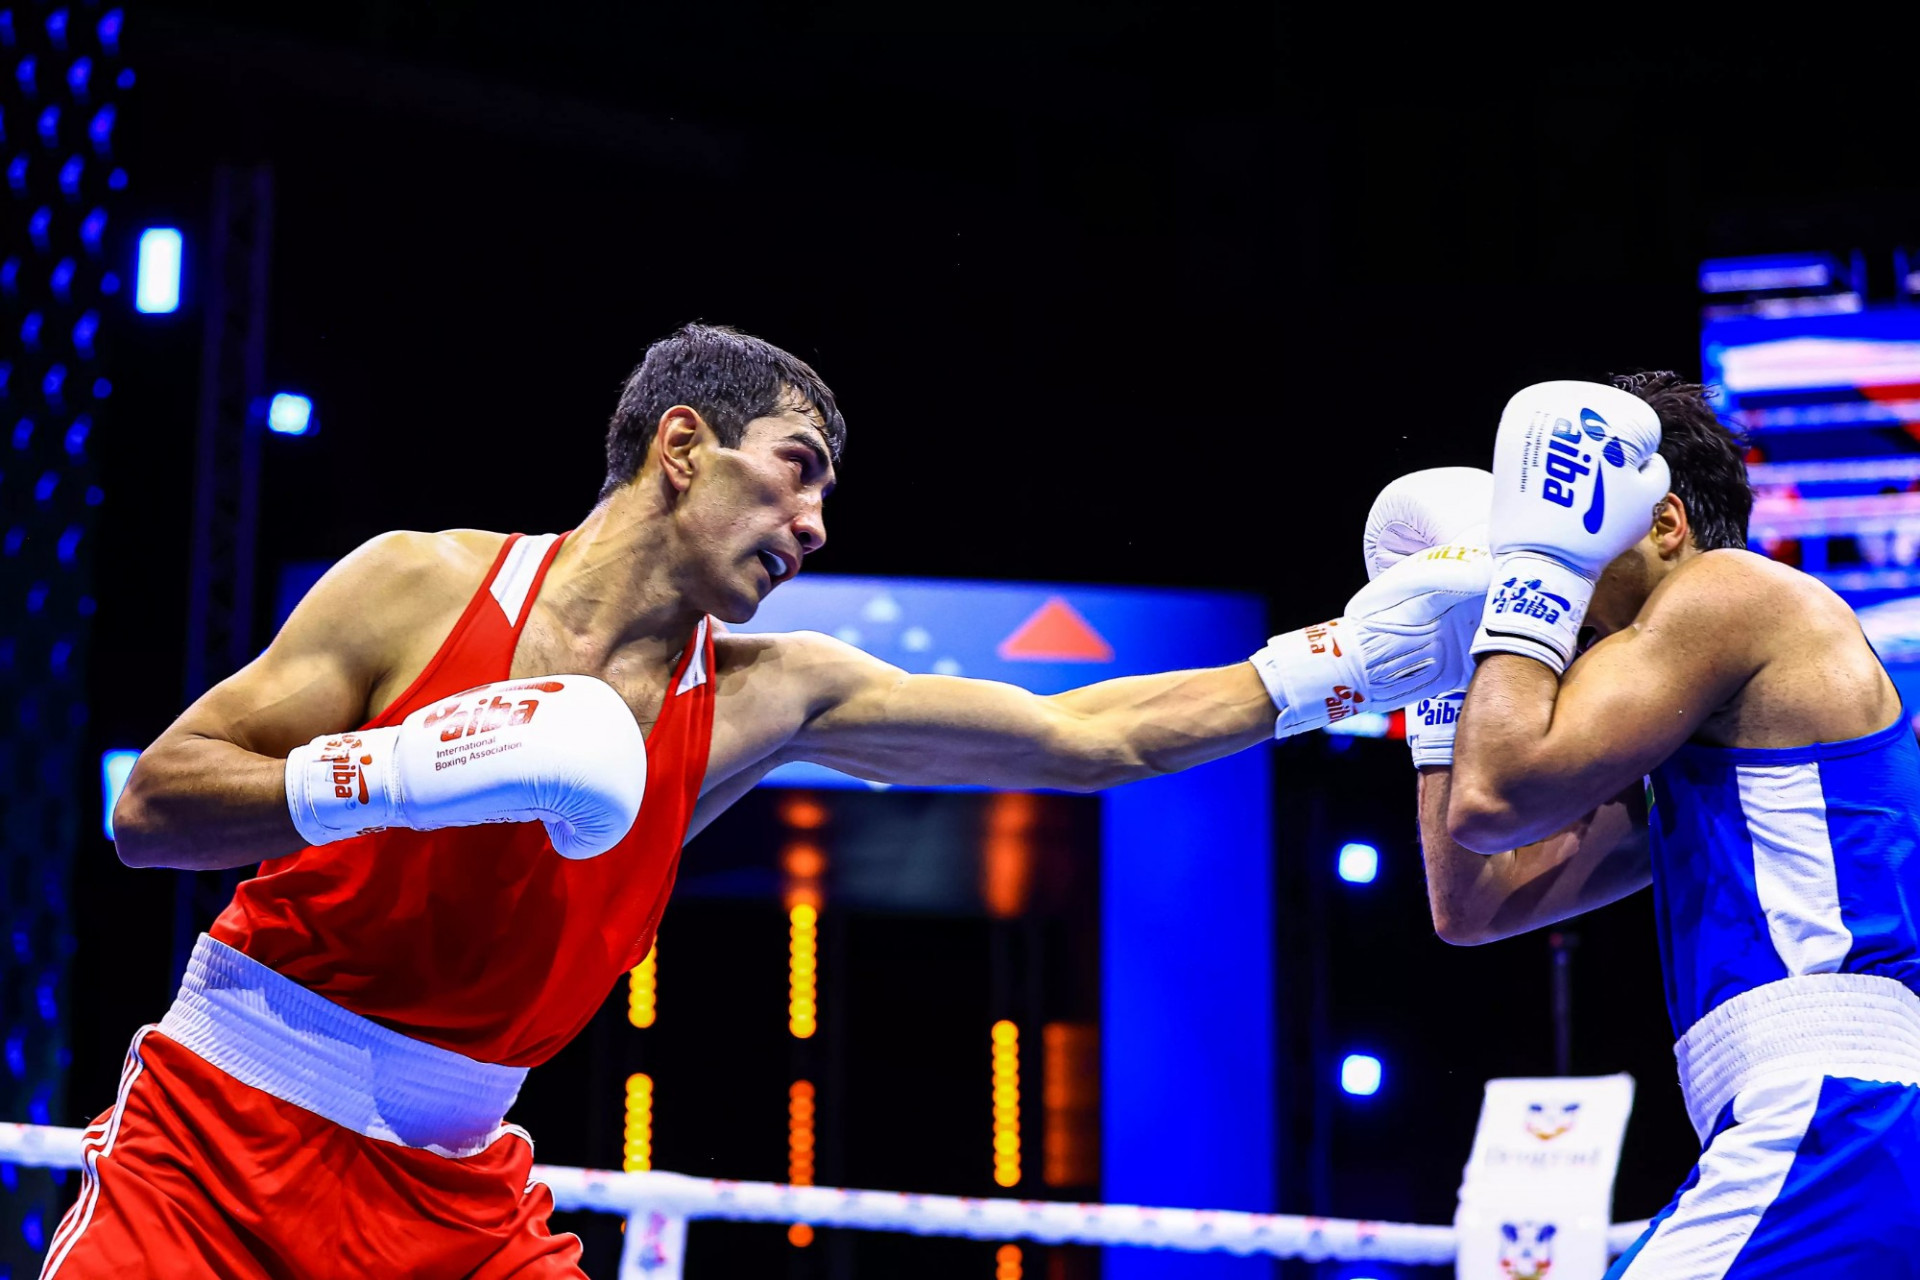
{"points": [[615, 591]]}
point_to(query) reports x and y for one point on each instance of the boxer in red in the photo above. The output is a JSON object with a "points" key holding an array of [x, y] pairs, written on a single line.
{"points": [[467, 765]]}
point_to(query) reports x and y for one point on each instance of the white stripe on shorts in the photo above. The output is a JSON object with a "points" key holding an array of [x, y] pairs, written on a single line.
{"points": [[94, 1147], [1741, 1172]]}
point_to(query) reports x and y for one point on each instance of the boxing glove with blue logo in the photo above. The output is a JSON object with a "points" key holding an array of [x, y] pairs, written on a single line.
{"points": [[1577, 474], [1420, 510]]}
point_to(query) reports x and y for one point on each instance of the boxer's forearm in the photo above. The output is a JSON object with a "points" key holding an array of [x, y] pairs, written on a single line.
{"points": [[1143, 726], [1477, 898], [202, 804]]}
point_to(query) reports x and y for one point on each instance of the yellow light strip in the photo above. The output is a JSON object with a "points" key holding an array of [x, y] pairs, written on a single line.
{"points": [[803, 978], [800, 1144], [643, 987], [1006, 1104], [1006, 1263], [639, 1145]]}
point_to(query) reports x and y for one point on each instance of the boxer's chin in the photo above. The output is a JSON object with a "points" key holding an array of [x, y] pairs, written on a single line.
{"points": [[1623, 587]]}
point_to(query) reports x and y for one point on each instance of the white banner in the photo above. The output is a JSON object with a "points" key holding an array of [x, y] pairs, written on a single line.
{"points": [[1538, 1191]]}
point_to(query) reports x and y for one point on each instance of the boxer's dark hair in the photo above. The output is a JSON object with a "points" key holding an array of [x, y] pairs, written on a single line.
{"points": [[729, 377], [1708, 458]]}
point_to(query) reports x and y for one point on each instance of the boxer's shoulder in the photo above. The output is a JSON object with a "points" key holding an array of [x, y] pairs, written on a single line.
{"points": [[396, 587]]}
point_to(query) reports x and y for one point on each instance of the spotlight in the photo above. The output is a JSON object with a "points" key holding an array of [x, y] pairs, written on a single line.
{"points": [[157, 286], [1360, 1074], [290, 415], [1358, 863]]}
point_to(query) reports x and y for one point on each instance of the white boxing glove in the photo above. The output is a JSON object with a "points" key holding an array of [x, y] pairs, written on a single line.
{"points": [[1577, 474], [565, 751], [1424, 509], [1403, 637]]}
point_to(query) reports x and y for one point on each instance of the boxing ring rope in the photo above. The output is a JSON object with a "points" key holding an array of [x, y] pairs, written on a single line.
{"points": [[658, 1205]]}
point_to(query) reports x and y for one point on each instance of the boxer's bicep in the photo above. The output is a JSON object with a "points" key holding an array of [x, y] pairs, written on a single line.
{"points": [[1537, 755]]}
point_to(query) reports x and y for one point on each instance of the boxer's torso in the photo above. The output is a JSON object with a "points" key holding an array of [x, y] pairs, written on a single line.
{"points": [[481, 939], [1786, 837]]}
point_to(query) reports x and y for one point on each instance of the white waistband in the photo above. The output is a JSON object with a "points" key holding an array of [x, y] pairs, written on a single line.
{"points": [[1853, 1025], [272, 1033]]}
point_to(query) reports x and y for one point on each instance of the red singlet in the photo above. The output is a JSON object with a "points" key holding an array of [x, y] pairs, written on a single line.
{"points": [[483, 940]]}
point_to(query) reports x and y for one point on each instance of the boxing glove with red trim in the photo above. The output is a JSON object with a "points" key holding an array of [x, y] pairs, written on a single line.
{"points": [[1577, 474], [565, 751], [1403, 637]]}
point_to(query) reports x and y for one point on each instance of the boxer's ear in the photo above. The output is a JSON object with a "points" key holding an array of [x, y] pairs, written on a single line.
{"points": [[1671, 528], [678, 432]]}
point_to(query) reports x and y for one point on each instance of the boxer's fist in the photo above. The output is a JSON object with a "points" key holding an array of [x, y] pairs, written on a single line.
{"points": [[1424, 509], [1577, 474], [1404, 637], [565, 751]]}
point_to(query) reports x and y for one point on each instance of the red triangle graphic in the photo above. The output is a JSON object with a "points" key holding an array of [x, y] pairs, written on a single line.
{"points": [[1055, 633]]}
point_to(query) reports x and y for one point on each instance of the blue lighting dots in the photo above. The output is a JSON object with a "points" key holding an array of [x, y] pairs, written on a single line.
{"points": [[125, 78], [17, 173], [289, 414], [61, 279], [1360, 1074], [92, 228], [69, 544], [76, 438], [115, 766], [78, 77], [48, 127], [100, 129], [57, 29], [156, 289], [1358, 863], [85, 330], [39, 225], [70, 174], [109, 30]]}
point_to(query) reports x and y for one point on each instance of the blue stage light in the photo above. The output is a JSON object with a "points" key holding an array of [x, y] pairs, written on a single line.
{"points": [[17, 173], [1358, 863], [49, 126], [61, 281], [114, 768], [85, 329], [57, 28], [70, 174], [289, 414], [156, 290], [24, 73], [109, 30], [1360, 1074], [92, 227], [100, 129], [38, 225], [77, 76]]}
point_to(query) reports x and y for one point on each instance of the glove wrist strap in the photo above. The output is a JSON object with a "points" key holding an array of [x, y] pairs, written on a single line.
{"points": [[1314, 676], [1535, 608], [1432, 724], [339, 785]]}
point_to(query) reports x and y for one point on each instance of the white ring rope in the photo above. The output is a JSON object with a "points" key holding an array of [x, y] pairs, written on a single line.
{"points": [[1055, 1222]]}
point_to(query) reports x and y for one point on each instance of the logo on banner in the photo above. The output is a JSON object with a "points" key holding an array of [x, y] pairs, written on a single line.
{"points": [[652, 1253], [1526, 1250], [1548, 1120]]}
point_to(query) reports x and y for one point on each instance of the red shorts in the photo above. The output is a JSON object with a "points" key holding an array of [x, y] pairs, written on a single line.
{"points": [[193, 1173]]}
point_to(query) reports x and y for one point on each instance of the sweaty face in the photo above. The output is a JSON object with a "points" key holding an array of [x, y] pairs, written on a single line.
{"points": [[755, 511]]}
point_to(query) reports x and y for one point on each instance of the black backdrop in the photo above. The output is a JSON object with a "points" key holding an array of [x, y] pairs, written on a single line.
{"points": [[1116, 293]]}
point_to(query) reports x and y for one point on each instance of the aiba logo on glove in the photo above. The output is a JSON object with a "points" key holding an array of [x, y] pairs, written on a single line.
{"points": [[1435, 713], [1527, 600], [1567, 465]]}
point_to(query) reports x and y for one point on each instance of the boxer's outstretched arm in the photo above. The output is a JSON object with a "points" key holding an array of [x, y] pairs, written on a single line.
{"points": [[873, 720], [211, 790], [1478, 898], [1536, 752]]}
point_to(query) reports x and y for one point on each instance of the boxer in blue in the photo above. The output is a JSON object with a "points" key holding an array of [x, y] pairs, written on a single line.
{"points": [[1655, 704]]}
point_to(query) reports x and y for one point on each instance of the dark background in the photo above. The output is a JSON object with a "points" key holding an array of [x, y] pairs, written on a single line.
{"points": [[1109, 293]]}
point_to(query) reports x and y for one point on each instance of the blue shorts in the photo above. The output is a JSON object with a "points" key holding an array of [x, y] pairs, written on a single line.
{"points": [[1801, 1178]]}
